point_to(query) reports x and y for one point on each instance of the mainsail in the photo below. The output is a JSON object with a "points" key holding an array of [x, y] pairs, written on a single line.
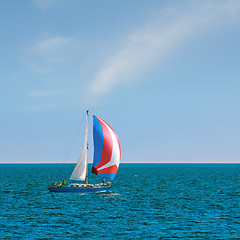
{"points": [[80, 171], [107, 150]]}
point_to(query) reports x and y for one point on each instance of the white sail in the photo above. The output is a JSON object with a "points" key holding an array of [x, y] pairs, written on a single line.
{"points": [[80, 171]]}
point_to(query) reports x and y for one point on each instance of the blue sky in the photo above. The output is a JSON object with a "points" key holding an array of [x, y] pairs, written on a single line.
{"points": [[164, 74]]}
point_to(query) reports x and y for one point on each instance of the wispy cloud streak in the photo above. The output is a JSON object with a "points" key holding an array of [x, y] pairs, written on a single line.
{"points": [[155, 40], [53, 48]]}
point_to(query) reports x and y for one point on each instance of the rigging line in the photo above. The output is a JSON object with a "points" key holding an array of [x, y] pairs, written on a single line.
{"points": [[74, 138]]}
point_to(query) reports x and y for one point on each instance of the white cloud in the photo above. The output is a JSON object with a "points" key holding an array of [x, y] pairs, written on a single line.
{"points": [[50, 44], [155, 40], [53, 48], [141, 49], [47, 54]]}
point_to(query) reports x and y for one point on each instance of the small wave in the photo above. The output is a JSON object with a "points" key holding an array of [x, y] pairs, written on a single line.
{"points": [[109, 194], [7, 191], [115, 217]]}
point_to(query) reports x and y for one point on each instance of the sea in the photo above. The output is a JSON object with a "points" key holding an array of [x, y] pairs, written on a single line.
{"points": [[147, 201]]}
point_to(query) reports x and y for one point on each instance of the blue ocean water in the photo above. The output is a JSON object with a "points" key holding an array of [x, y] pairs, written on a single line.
{"points": [[147, 201]]}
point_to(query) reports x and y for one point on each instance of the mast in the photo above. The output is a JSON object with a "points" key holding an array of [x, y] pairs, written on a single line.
{"points": [[86, 179]]}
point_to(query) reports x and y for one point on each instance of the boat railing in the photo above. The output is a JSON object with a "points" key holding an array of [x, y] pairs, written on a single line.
{"points": [[80, 185]]}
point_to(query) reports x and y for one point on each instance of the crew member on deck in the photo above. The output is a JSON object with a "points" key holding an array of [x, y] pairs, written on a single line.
{"points": [[64, 182], [103, 181]]}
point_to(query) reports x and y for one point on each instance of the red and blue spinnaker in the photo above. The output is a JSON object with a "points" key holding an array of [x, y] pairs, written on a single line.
{"points": [[107, 150]]}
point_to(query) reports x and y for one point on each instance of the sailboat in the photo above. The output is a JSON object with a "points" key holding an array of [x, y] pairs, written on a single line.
{"points": [[106, 159]]}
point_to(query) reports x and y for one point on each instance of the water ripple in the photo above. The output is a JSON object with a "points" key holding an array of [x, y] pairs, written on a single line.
{"points": [[151, 201]]}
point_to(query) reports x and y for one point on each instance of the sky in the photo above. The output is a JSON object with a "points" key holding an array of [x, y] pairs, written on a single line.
{"points": [[164, 74]]}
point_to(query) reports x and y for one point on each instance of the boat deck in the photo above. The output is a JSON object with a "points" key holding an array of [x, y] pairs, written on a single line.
{"points": [[81, 188]]}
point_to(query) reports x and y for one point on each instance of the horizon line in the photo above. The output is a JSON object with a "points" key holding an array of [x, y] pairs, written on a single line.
{"points": [[123, 162]]}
